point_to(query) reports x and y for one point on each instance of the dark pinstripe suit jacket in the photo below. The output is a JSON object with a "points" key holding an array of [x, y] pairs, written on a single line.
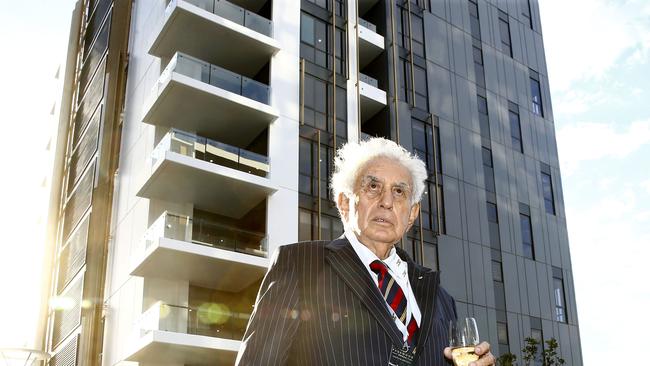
{"points": [[318, 305]]}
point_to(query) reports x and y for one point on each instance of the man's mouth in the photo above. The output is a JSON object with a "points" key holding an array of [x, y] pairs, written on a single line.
{"points": [[381, 220]]}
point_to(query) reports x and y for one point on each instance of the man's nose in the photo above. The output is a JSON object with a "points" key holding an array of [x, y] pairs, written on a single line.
{"points": [[386, 199]]}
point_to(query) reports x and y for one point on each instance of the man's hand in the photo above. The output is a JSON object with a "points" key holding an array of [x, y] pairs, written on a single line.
{"points": [[482, 350]]}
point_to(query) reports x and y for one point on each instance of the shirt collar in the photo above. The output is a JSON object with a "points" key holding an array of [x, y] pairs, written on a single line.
{"points": [[396, 265]]}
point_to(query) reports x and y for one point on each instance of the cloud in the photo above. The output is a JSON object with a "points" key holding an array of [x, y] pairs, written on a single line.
{"points": [[590, 37], [586, 141], [609, 251]]}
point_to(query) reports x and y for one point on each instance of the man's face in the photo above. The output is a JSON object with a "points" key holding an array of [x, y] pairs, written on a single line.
{"points": [[383, 211]]}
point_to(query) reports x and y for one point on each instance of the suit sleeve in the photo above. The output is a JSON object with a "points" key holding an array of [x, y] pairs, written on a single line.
{"points": [[274, 321]]}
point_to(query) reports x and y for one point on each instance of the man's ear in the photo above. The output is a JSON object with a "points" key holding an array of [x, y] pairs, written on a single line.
{"points": [[415, 210], [343, 203]]}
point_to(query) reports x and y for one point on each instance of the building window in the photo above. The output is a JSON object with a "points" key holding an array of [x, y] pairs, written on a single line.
{"points": [[315, 43], [502, 332], [432, 202], [479, 70], [515, 127], [483, 118], [493, 225], [416, 31], [488, 169], [330, 226], [317, 98], [406, 88], [558, 293], [527, 13], [326, 4], [536, 94], [424, 143], [475, 25], [504, 29], [526, 232], [547, 189], [309, 165]]}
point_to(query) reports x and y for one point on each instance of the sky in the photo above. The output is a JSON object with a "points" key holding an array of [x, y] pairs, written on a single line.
{"points": [[598, 56], [34, 38]]}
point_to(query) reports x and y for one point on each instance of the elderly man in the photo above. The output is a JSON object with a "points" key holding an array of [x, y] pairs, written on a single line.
{"points": [[357, 300]]}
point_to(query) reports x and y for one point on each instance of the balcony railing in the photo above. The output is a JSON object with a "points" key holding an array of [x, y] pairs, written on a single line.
{"points": [[213, 320], [216, 76], [215, 152], [233, 13], [205, 232], [369, 80], [368, 25]]}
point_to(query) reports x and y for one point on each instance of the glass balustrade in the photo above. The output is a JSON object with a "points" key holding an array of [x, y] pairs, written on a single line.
{"points": [[215, 152], [368, 25], [206, 232], [233, 13], [216, 76], [368, 80], [210, 319]]}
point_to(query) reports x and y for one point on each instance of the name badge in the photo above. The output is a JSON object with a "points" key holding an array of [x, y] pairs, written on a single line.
{"points": [[401, 357]]}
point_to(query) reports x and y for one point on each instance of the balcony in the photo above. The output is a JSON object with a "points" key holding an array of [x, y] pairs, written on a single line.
{"points": [[197, 96], [212, 176], [169, 334], [205, 28], [371, 44], [373, 99], [202, 252]]}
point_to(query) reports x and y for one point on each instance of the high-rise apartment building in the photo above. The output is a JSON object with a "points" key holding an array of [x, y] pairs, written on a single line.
{"points": [[198, 136]]}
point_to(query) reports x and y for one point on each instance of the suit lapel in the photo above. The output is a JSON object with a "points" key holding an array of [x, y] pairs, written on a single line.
{"points": [[345, 262], [424, 283]]}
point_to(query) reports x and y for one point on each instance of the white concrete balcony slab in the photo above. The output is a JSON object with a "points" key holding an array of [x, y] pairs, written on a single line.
{"points": [[166, 334], [216, 256], [371, 43], [373, 99], [178, 176], [196, 96], [216, 31]]}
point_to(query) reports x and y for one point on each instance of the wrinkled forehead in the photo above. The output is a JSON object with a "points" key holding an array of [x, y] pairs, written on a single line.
{"points": [[386, 171]]}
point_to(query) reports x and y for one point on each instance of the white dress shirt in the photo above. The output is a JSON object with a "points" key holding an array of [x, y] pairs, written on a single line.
{"points": [[399, 270]]}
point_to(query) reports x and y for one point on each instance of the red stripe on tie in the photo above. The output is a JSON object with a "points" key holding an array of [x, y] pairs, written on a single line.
{"points": [[398, 298]]}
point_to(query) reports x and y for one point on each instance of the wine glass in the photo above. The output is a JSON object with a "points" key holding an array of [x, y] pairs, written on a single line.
{"points": [[463, 338]]}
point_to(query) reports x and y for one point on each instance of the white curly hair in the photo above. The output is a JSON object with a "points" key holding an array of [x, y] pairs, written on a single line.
{"points": [[352, 157]]}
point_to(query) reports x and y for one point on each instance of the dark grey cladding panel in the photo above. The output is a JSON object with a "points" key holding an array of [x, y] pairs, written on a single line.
{"points": [[438, 7], [471, 212], [523, 290], [461, 56], [453, 218], [544, 280], [478, 274], [440, 91], [553, 240], [490, 66], [576, 353], [497, 115], [459, 14], [532, 287], [436, 39], [448, 148], [511, 282], [470, 149], [452, 267], [536, 218]]}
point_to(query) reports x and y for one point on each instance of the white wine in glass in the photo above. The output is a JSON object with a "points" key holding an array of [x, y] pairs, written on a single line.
{"points": [[463, 338]]}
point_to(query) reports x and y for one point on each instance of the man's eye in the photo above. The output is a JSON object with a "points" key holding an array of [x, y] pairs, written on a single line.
{"points": [[374, 185]]}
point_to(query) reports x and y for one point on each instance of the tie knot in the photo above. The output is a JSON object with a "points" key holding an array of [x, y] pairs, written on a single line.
{"points": [[378, 267]]}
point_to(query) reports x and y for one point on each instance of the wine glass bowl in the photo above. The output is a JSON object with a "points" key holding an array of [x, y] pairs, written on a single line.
{"points": [[463, 338]]}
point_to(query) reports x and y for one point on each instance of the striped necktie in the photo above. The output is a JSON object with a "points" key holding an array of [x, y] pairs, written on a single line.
{"points": [[394, 296]]}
